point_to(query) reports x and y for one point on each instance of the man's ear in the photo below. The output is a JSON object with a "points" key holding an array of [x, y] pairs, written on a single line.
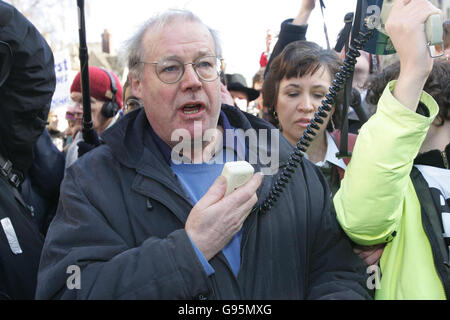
{"points": [[135, 86]]}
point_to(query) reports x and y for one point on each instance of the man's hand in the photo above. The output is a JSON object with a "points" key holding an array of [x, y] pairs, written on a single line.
{"points": [[406, 28], [305, 11], [215, 219], [308, 5], [370, 255]]}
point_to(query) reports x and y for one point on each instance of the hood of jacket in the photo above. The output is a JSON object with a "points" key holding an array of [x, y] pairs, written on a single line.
{"points": [[26, 94]]}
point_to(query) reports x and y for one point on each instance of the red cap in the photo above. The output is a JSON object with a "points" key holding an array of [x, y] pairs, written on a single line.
{"points": [[100, 85]]}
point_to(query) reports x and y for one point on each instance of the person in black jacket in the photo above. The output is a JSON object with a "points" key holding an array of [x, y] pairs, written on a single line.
{"points": [[27, 83], [40, 189], [140, 218]]}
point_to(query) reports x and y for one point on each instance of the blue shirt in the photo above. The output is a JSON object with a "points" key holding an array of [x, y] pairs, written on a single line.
{"points": [[196, 180]]}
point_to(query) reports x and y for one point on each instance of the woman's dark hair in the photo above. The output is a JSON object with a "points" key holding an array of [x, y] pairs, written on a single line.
{"points": [[437, 86], [300, 58]]}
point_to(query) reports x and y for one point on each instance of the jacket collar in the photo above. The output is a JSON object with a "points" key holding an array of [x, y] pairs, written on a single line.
{"points": [[435, 158], [132, 146]]}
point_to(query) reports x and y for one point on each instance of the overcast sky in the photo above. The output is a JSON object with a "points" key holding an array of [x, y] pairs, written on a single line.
{"points": [[242, 24]]}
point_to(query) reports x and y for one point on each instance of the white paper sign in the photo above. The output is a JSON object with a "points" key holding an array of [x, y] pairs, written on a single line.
{"points": [[63, 72]]}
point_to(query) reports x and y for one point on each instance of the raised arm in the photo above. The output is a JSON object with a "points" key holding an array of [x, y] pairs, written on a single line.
{"points": [[370, 202], [304, 13], [405, 27], [293, 30]]}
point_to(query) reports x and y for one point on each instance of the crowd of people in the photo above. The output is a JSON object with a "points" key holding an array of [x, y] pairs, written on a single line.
{"points": [[144, 213]]}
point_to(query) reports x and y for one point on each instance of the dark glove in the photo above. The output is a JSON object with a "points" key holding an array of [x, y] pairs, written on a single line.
{"points": [[84, 147]]}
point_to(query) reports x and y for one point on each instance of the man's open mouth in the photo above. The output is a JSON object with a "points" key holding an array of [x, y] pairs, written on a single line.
{"points": [[192, 108]]}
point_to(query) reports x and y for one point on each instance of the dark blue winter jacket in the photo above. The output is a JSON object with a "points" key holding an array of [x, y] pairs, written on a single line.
{"points": [[121, 220]]}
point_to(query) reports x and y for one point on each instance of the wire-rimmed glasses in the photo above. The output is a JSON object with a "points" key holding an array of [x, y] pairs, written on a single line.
{"points": [[170, 70]]}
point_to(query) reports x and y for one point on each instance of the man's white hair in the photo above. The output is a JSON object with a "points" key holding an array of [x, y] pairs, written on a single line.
{"points": [[134, 52]]}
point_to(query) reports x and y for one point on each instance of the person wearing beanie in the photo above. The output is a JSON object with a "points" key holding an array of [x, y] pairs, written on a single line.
{"points": [[101, 92], [106, 101]]}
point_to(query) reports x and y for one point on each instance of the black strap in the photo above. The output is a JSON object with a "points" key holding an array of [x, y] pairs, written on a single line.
{"points": [[325, 30], [358, 16], [14, 177], [344, 36], [355, 29], [343, 147]]}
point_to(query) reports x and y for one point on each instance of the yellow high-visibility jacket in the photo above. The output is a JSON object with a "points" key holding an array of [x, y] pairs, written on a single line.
{"points": [[377, 201]]}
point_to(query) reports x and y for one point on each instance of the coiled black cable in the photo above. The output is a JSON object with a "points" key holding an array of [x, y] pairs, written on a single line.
{"points": [[296, 157]]}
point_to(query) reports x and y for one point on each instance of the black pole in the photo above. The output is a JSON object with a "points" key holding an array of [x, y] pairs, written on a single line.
{"points": [[88, 132]]}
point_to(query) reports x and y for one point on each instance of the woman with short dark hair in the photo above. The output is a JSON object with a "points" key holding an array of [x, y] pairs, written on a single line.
{"points": [[296, 83]]}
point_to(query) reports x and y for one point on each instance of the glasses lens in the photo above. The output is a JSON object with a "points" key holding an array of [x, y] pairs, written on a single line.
{"points": [[208, 68], [169, 70]]}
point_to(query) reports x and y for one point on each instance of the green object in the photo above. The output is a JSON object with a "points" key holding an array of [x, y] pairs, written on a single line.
{"points": [[378, 203]]}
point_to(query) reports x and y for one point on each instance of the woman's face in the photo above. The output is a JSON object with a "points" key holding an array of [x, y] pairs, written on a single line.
{"points": [[298, 100]]}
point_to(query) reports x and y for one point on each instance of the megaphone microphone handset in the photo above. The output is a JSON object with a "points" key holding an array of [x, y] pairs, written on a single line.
{"points": [[378, 12]]}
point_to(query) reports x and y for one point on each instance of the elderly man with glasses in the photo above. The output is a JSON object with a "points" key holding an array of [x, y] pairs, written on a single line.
{"points": [[141, 218]]}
